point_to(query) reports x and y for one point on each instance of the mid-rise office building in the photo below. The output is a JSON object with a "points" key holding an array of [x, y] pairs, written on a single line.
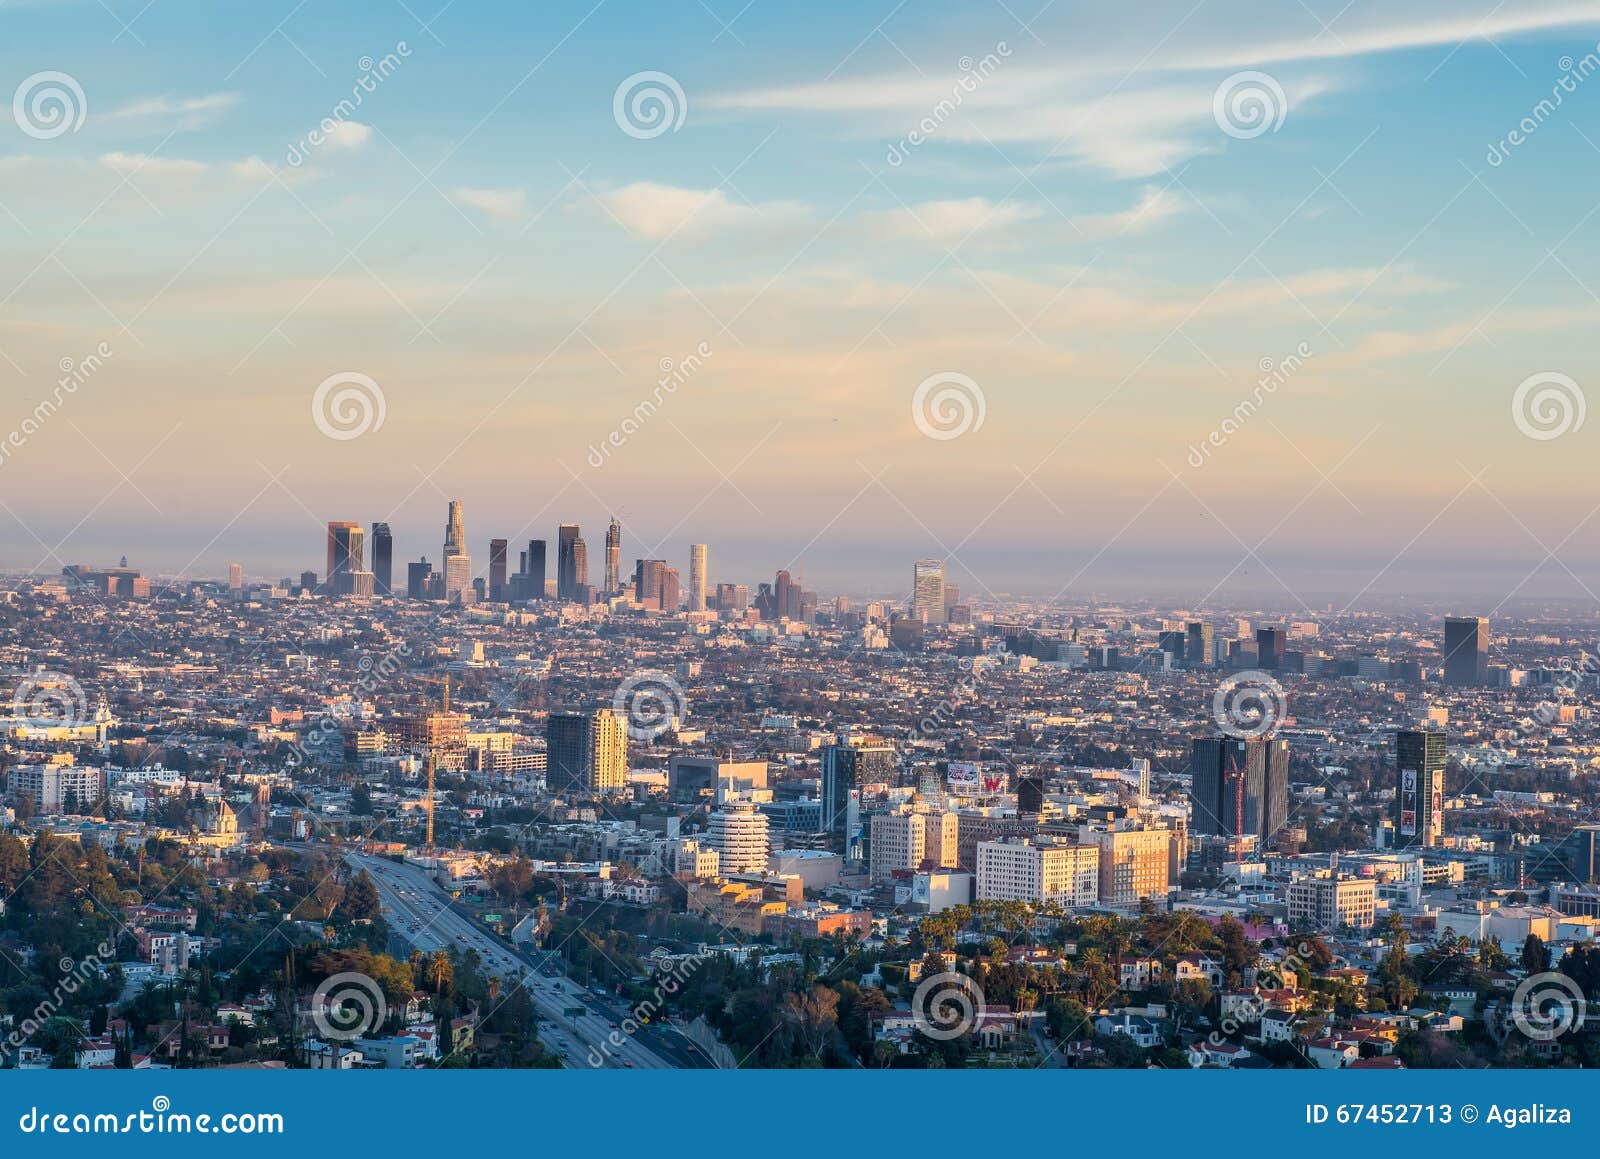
{"points": [[1329, 900], [1021, 870]]}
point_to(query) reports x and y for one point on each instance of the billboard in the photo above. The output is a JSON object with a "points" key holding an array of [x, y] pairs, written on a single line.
{"points": [[1408, 802], [964, 778]]}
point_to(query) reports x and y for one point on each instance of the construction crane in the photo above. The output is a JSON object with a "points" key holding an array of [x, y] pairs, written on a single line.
{"points": [[1236, 777]]}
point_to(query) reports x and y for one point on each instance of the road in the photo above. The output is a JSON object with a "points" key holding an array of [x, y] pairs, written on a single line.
{"points": [[419, 912]]}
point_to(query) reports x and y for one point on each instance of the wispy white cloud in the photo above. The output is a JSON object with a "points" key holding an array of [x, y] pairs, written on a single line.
{"points": [[657, 212], [499, 204], [954, 220], [1133, 97], [178, 112]]}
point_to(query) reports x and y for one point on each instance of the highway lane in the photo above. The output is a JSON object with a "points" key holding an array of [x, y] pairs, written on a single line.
{"points": [[419, 912]]}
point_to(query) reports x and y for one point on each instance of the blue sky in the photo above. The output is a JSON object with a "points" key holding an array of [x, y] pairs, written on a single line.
{"points": [[1082, 240]]}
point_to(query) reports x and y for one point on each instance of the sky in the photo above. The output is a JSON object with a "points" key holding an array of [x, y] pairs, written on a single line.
{"points": [[1208, 298]]}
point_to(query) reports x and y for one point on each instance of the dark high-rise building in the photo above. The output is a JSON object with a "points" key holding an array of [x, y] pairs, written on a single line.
{"points": [[613, 557], [339, 544], [566, 561], [1201, 643], [1466, 650], [419, 580], [1419, 760], [1239, 786], [497, 569], [1030, 793], [382, 560], [845, 768], [308, 581], [535, 569], [1173, 644], [1270, 646], [1576, 858]]}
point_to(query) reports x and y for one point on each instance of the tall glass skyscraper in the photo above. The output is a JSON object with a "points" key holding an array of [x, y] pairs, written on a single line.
{"points": [[613, 556], [535, 569], [455, 531], [346, 550], [697, 577], [382, 559], [497, 569], [566, 561]]}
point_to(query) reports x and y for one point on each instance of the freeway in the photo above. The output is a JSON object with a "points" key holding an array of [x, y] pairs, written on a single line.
{"points": [[419, 912]]}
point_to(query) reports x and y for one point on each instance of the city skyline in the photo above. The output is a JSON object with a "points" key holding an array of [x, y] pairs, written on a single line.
{"points": [[1329, 340]]}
